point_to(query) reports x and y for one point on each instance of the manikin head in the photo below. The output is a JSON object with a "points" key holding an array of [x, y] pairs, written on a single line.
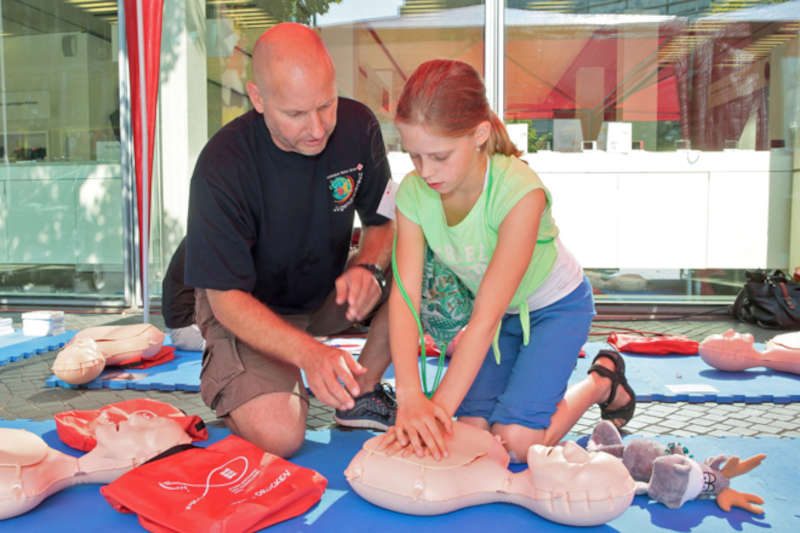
{"points": [[140, 437], [294, 88], [447, 126]]}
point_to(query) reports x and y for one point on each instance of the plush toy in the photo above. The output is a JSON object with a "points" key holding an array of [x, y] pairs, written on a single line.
{"points": [[30, 470], [670, 476], [565, 484], [85, 357], [734, 352]]}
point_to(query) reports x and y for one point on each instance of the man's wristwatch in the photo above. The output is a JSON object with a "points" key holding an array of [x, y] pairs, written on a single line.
{"points": [[377, 273]]}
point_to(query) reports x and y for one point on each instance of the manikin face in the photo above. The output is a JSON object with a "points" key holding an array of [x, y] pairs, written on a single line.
{"points": [[139, 437], [569, 467], [447, 164], [299, 107]]}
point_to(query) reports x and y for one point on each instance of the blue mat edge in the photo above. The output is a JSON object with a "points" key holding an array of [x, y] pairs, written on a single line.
{"points": [[33, 347]]}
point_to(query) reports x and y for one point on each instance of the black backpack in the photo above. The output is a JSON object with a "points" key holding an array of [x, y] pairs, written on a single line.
{"points": [[769, 300]]}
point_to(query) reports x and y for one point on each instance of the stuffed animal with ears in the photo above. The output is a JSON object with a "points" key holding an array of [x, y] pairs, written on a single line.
{"points": [[670, 476]]}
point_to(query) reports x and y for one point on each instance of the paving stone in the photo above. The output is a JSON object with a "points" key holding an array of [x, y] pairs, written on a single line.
{"points": [[635, 424], [662, 410], [694, 408], [784, 425], [698, 429], [775, 415], [673, 424], [765, 429], [739, 423], [32, 413], [659, 430], [647, 419]]}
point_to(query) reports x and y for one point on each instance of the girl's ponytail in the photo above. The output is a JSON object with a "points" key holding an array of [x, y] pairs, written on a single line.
{"points": [[499, 142]]}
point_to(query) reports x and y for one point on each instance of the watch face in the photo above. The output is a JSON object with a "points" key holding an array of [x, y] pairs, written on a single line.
{"points": [[377, 273]]}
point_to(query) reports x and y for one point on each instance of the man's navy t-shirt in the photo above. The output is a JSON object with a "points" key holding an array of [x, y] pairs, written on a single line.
{"points": [[278, 224]]}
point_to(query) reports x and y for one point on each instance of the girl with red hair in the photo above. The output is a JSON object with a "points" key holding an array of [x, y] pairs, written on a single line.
{"points": [[486, 215]]}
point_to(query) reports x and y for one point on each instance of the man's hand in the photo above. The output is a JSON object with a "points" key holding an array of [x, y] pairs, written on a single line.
{"points": [[359, 289], [331, 376]]}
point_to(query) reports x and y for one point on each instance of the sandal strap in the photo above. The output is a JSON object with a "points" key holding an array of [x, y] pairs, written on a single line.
{"points": [[611, 375]]}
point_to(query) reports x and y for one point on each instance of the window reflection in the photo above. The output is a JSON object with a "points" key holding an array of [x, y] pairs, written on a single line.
{"points": [[60, 185], [648, 120]]}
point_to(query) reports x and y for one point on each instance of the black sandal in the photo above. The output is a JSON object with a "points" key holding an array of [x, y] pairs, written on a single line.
{"points": [[617, 377]]}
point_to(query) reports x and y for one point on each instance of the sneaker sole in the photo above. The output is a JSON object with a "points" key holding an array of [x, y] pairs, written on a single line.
{"points": [[360, 424]]}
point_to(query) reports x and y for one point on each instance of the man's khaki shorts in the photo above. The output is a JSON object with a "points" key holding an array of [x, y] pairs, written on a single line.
{"points": [[234, 373]]}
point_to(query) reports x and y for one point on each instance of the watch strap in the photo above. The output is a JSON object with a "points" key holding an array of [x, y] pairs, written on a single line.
{"points": [[377, 273]]}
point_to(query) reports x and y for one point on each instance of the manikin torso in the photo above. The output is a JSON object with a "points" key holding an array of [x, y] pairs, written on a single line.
{"points": [[564, 484], [30, 470], [88, 353], [735, 352]]}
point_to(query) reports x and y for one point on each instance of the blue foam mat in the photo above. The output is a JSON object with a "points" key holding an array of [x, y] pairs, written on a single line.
{"points": [[181, 374], [82, 508], [16, 346], [693, 381]]}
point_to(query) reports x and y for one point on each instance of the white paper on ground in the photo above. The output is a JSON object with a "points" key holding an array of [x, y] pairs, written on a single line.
{"points": [[692, 388]]}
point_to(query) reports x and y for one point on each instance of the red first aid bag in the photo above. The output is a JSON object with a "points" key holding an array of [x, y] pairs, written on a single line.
{"points": [[76, 428], [653, 345], [230, 486]]}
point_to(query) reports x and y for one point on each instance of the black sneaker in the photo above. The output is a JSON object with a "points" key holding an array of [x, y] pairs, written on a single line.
{"points": [[372, 410]]}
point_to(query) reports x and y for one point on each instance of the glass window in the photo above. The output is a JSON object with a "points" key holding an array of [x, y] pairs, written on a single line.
{"points": [[60, 182], [667, 133]]}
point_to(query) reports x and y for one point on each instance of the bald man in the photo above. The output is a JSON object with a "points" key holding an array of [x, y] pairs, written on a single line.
{"points": [[271, 211]]}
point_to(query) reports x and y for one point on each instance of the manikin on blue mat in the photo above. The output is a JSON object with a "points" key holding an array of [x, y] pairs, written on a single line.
{"points": [[30, 470], [565, 484]]}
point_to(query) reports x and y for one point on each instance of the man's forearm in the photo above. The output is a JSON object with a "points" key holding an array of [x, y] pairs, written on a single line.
{"points": [[254, 323], [376, 245]]}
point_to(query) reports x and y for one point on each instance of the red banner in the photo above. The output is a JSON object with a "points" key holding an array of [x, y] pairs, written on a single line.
{"points": [[150, 43]]}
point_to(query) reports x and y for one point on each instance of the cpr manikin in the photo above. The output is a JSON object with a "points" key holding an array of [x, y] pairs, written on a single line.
{"points": [[735, 352], [85, 357], [565, 484], [30, 470]]}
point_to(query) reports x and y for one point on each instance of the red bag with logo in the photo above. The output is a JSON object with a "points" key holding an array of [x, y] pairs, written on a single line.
{"points": [[230, 486], [76, 428]]}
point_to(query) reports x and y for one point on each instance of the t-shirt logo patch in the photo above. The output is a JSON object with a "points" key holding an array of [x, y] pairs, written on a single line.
{"points": [[343, 186], [342, 189]]}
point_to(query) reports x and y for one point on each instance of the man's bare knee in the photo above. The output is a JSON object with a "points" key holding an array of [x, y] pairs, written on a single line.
{"points": [[281, 432], [281, 443]]}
